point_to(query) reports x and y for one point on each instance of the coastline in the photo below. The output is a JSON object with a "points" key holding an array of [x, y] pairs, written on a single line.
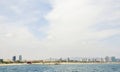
{"points": [[63, 63], [13, 64]]}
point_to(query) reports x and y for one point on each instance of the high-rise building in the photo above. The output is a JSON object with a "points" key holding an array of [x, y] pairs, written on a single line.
{"points": [[108, 59], [113, 59], [1, 60], [68, 59], [14, 58], [20, 57], [102, 59]]}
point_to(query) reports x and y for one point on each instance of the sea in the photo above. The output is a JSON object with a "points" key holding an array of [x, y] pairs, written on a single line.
{"points": [[62, 68]]}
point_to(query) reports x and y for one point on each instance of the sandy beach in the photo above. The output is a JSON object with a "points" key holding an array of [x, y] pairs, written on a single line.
{"points": [[52, 63], [12, 64]]}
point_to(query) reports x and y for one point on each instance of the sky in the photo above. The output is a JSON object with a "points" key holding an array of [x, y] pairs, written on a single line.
{"points": [[39, 29]]}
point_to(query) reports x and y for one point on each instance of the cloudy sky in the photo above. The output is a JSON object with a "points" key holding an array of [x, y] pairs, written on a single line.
{"points": [[59, 28]]}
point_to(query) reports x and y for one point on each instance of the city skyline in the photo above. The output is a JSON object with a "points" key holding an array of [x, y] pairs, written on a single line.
{"points": [[59, 28], [56, 61], [21, 58]]}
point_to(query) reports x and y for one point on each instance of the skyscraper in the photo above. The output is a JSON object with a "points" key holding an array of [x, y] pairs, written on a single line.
{"points": [[108, 59], [1, 60], [14, 58], [113, 59], [20, 57]]}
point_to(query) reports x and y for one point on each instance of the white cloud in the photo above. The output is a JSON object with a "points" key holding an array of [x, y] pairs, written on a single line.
{"points": [[3, 19], [71, 31], [15, 38], [74, 18], [16, 10], [71, 23]]}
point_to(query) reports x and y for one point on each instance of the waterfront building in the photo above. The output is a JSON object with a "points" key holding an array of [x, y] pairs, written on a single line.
{"points": [[68, 59], [14, 58], [113, 59], [108, 59], [80, 59], [93, 59], [20, 57], [84, 59], [89, 60], [98, 59], [7, 60], [102, 59], [1, 60], [117, 60]]}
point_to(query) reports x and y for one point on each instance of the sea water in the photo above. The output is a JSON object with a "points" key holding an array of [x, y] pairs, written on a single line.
{"points": [[62, 68]]}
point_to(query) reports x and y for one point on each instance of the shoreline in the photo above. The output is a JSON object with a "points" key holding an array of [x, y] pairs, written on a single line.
{"points": [[75, 63], [63, 63], [12, 64]]}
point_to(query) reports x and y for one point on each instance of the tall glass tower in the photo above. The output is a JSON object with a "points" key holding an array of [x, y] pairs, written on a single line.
{"points": [[20, 57], [14, 58]]}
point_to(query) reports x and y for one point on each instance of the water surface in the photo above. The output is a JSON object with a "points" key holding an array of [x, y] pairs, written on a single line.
{"points": [[63, 68]]}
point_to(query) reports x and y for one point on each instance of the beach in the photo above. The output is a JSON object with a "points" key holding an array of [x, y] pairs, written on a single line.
{"points": [[13, 64], [54, 63]]}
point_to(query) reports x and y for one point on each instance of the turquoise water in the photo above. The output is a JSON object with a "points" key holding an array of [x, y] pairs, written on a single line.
{"points": [[63, 68]]}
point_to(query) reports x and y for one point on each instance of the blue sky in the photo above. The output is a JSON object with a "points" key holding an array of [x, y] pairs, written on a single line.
{"points": [[59, 28], [16, 11]]}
